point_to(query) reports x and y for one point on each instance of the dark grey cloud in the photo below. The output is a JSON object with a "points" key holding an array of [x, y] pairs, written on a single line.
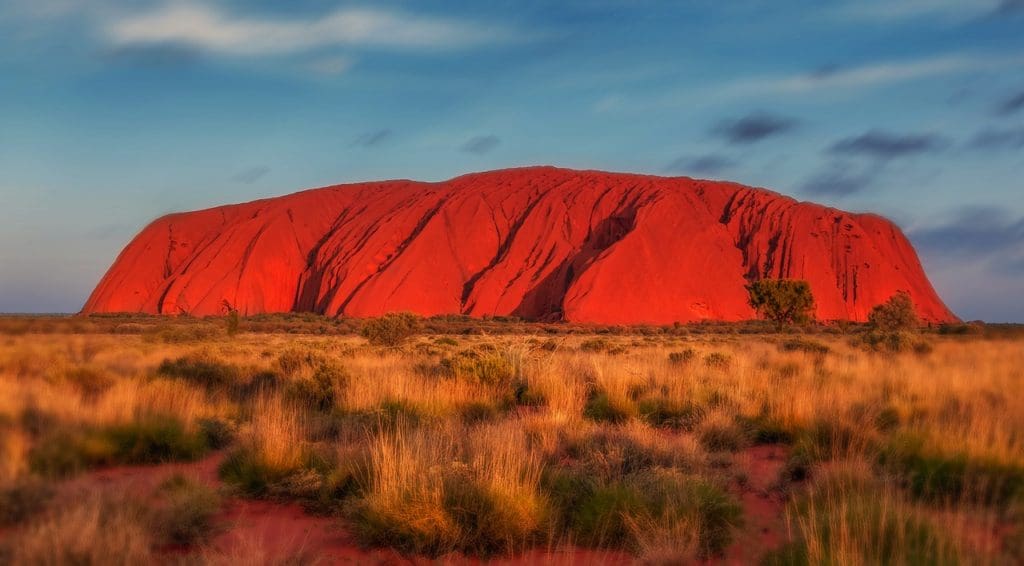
{"points": [[883, 145], [709, 164], [975, 231], [481, 144], [160, 55], [840, 179], [374, 138], [825, 71], [250, 175], [753, 128], [1011, 105], [996, 139], [1010, 8]]}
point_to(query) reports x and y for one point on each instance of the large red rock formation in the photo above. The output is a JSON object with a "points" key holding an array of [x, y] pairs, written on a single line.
{"points": [[539, 243]]}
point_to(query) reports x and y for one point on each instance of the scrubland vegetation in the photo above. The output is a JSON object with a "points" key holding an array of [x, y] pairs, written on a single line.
{"points": [[646, 443]]}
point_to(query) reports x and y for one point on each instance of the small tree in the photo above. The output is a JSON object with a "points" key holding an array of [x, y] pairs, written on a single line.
{"points": [[233, 318], [895, 315], [784, 301], [893, 326], [391, 329]]}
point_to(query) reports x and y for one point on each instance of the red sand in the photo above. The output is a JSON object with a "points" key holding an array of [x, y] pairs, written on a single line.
{"points": [[764, 527], [541, 243], [263, 531]]}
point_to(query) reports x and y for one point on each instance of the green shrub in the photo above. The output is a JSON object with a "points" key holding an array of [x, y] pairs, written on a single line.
{"points": [[525, 396], [482, 367], [950, 478], [490, 522], [232, 322], [594, 345], [611, 452], [184, 514], [90, 382], [319, 391], [23, 499], [293, 361], [246, 471], [478, 411], [609, 514], [662, 412], [682, 357], [600, 519], [149, 440], [392, 329], [717, 360], [722, 437], [764, 429], [201, 369], [64, 452], [893, 327], [391, 413], [895, 315], [783, 301], [409, 530], [216, 433], [602, 408], [153, 440], [804, 345], [894, 341], [874, 528]]}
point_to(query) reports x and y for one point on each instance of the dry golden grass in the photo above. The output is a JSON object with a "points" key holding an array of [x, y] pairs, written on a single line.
{"points": [[98, 530], [493, 444]]}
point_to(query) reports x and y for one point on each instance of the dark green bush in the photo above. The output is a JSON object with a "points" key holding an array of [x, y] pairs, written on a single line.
{"points": [[488, 522], [766, 430], [601, 408], [392, 329], [895, 315], [184, 514], [201, 369], [293, 361], [154, 439], [603, 514], [319, 391], [662, 412], [874, 532], [783, 301], [717, 360], [149, 440], [525, 396], [486, 367], [23, 499], [723, 437], [243, 469], [950, 478], [594, 345], [682, 357], [90, 382], [217, 433], [804, 345], [478, 411]]}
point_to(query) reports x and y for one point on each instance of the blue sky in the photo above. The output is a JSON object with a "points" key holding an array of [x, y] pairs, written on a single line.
{"points": [[113, 113]]}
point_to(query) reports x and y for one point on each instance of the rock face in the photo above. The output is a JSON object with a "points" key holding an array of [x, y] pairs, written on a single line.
{"points": [[540, 243]]}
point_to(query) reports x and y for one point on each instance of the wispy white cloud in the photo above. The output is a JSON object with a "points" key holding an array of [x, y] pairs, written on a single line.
{"points": [[890, 11], [208, 28], [848, 80], [332, 65], [872, 75]]}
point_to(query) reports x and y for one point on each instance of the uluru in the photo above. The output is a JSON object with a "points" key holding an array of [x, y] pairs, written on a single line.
{"points": [[540, 243]]}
